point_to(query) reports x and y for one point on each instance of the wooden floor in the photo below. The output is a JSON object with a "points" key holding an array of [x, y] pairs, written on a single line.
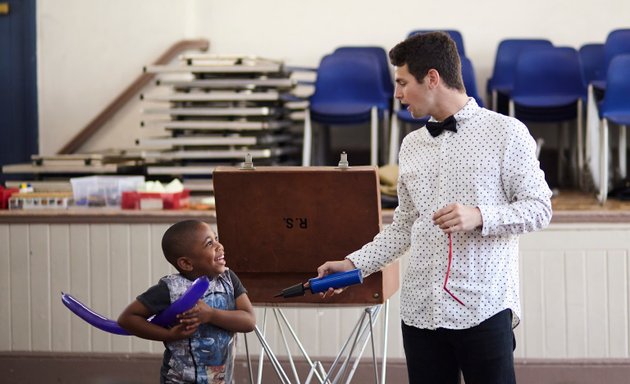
{"points": [[574, 200]]}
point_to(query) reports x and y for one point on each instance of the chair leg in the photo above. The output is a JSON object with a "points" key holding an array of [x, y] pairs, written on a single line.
{"points": [[591, 140], [385, 134], [495, 101], [374, 137], [394, 140], [307, 140], [580, 143], [539, 144], [622, 151], [603, 161], [512, 109], [561, 159]]}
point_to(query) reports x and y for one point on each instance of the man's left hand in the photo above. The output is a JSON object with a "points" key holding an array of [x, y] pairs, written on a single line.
{"points": [[457, 217]]}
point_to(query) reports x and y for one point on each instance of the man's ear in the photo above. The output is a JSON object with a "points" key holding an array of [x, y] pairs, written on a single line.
{"points": [[433, 78], [184, 264]]}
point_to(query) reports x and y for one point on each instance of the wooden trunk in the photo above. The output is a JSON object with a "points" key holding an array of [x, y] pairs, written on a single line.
{"points": [[278, 224]]}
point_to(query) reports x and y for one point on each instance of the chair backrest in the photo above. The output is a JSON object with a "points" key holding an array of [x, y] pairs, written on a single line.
{"points": [[383, 61], [505, 61], [617, 43], [468, 75], [592, 61], [455, 35], [616, 98], [552, 75], [343, 78]]}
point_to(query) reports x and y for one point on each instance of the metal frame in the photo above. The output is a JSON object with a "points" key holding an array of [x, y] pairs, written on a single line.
{"points": [[344, 365]]}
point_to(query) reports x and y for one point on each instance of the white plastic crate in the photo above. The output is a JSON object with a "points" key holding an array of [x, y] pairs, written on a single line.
{"points": [[102, 191]]}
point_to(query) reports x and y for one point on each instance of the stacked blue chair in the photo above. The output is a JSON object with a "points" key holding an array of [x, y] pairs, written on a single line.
{"points": [[455, 35], [549, 87], [386, 76], [617, 43], [348, 90], [592, 62], [615, 108], [381, 55], [502, 80]]}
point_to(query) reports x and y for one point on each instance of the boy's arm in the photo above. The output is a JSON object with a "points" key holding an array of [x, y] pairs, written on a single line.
{"points": [[134, 320], [240, 320]]}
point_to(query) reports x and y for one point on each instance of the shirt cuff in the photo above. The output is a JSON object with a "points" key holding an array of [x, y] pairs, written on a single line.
{"points": [[489, 216], [362, 266]]}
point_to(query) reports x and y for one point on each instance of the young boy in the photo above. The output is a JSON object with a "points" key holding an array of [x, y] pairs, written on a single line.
{"points": [[200, 349]]}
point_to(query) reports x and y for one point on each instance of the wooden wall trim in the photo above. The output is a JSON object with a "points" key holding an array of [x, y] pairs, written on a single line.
{"points": [[98, 216], [102, 216], [140, 368]]}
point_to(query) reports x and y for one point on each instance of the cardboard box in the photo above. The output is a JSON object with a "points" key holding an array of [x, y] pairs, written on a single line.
{"points": [[278, 224]]}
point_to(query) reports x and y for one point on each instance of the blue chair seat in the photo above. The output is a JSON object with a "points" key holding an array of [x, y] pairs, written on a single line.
{"points": [[621, 118], [501, 82], [348, 87], [549, 87], [548, 101], [599, 84], [342, 112]]}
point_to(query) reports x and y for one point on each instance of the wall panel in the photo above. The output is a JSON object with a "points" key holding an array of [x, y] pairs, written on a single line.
{"points": [[574, 292]]}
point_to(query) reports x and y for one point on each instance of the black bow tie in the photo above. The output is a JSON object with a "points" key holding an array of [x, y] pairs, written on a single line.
{"points": [[436, 127]]}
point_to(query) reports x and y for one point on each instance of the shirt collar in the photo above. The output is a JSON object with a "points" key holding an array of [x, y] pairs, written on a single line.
{"points": [[469, 109]]}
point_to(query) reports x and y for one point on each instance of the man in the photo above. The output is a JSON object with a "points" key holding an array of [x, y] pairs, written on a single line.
{"points": [[469, 184]]}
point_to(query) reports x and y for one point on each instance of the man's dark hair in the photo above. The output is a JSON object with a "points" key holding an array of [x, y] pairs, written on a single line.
{"points": [[177, 239], [424, 51]]}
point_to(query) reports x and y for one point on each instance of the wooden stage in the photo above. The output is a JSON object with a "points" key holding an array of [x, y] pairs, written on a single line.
{"points": [[573, 206]]}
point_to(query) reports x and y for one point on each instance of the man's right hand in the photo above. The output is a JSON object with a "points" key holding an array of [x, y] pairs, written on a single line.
{"points": [[332, 267]]}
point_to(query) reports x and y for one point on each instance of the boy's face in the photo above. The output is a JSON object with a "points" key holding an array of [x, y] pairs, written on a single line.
{"points": [[206, 256]]}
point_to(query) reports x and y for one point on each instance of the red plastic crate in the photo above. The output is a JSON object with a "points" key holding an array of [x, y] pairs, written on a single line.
{"points": [[5, 194]]}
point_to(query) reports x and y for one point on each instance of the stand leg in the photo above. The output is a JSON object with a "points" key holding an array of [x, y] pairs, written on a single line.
{"points": [[362, 333], [272, 358], [298, 343], [286, 346], [385, 339], [249, 360]]}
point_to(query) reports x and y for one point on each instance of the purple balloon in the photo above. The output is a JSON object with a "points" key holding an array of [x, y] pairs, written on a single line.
{"points": [[166, 318]]}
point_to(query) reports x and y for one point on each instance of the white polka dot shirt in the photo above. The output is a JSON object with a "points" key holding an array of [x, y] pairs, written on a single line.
{"points": [[490, 163]]}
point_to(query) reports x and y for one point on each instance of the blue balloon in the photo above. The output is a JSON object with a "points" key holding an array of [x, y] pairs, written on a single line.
{"points": [[166, 318]]}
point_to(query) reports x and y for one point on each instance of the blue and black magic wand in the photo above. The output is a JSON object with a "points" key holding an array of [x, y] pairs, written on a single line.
{"points": [[322, 284]]}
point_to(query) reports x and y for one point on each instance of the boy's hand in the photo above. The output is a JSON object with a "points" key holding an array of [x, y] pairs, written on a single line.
{"points": [[181, 331], [201, 313]]}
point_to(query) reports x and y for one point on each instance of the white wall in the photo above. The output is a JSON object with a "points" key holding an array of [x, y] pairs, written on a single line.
{"points": [[89, 51]]}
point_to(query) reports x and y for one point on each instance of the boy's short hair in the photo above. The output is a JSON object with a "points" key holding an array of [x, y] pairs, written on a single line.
{"points": [[177, 239], [424, 51]]}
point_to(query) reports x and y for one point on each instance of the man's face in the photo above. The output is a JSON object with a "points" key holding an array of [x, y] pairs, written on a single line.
{"points": [[412, 93]]}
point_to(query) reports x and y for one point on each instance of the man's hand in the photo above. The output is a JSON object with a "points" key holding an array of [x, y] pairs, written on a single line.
{"points": [[457, 217], [332, 267]]}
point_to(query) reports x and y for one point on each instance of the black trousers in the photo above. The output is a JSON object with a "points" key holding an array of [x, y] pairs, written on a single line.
{"points": [[484, 354]]}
